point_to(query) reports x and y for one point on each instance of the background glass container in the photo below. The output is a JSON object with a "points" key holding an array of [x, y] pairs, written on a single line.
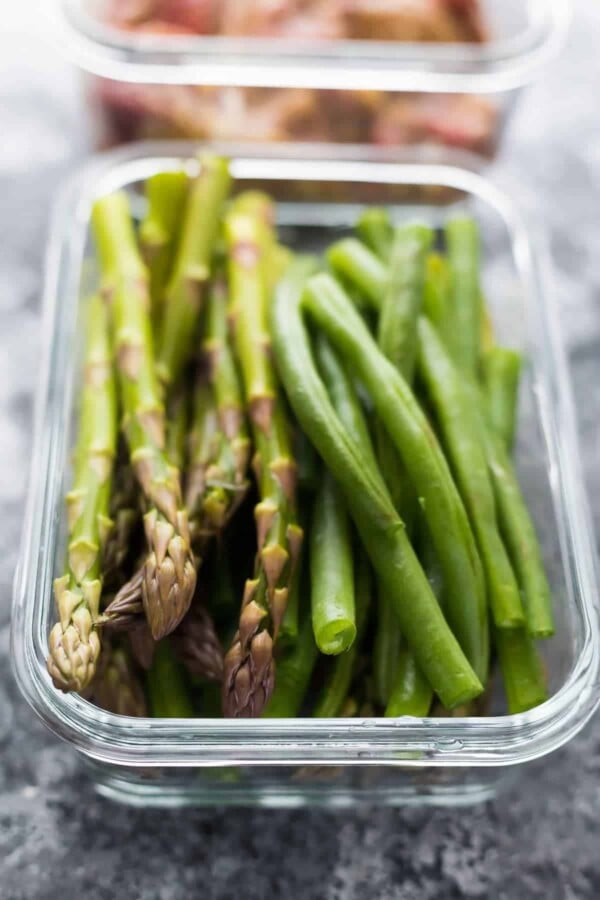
{"points": [[359, 91]]}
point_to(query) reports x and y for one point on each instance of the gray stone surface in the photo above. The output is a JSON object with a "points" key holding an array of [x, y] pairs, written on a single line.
{"points": [[56, 837]]}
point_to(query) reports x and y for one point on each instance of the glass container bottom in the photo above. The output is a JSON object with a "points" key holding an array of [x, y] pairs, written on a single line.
{"points": [[282, 787]]}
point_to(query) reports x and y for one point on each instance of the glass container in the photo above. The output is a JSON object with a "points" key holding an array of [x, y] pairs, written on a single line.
{"points": [[391, 93], [329, 762]]}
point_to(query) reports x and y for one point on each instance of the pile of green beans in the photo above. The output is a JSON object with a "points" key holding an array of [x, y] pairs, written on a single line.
{"points": [[445, 418]]}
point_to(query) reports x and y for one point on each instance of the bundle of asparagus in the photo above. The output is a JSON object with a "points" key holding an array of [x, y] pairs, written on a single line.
{"points": [[360, 398]]}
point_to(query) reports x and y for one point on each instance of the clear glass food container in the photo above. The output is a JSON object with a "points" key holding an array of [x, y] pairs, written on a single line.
{"points": [[392, 93], [328, 762]]}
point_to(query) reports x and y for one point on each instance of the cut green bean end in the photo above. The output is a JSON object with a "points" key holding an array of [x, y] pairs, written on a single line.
{"points": [[336, 637]]}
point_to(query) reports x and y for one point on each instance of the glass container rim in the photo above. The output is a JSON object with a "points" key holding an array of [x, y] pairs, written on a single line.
{"points": [[496, 66]]}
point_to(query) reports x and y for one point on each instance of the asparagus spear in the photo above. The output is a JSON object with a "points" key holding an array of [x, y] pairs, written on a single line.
{"points": [[226, 479], [169, 575], [167, 688], [117, 687], [196, 645], [141, 643], [165, 194], [191, 267], [260, 207], [195, 640], [177, 428], [126, 608], [204, 443], [224, 377], [288, 631], [126, 514], [249, 666], [223, 594], [74, 643]]}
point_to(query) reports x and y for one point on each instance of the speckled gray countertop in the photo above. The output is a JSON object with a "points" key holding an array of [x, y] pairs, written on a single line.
{"points": [[57, 838]]}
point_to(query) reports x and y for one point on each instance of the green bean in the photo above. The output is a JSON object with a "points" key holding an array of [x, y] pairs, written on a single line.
{"points": [[519, 535], [403, 299], [382, 533], [397, 340], [307, 461], [517, 530], [210, 699], [357, 265], [376, 231], [429, 559], [459, 423], [521, 668], [335, 691], [331, 571], [334, 694], [486, 338], [425, 463], [462, 243], [347, 406], [437, 294], [387, 646], [515, 523], [522, 671], [411, 693], [501, 373], [345, 401]]}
